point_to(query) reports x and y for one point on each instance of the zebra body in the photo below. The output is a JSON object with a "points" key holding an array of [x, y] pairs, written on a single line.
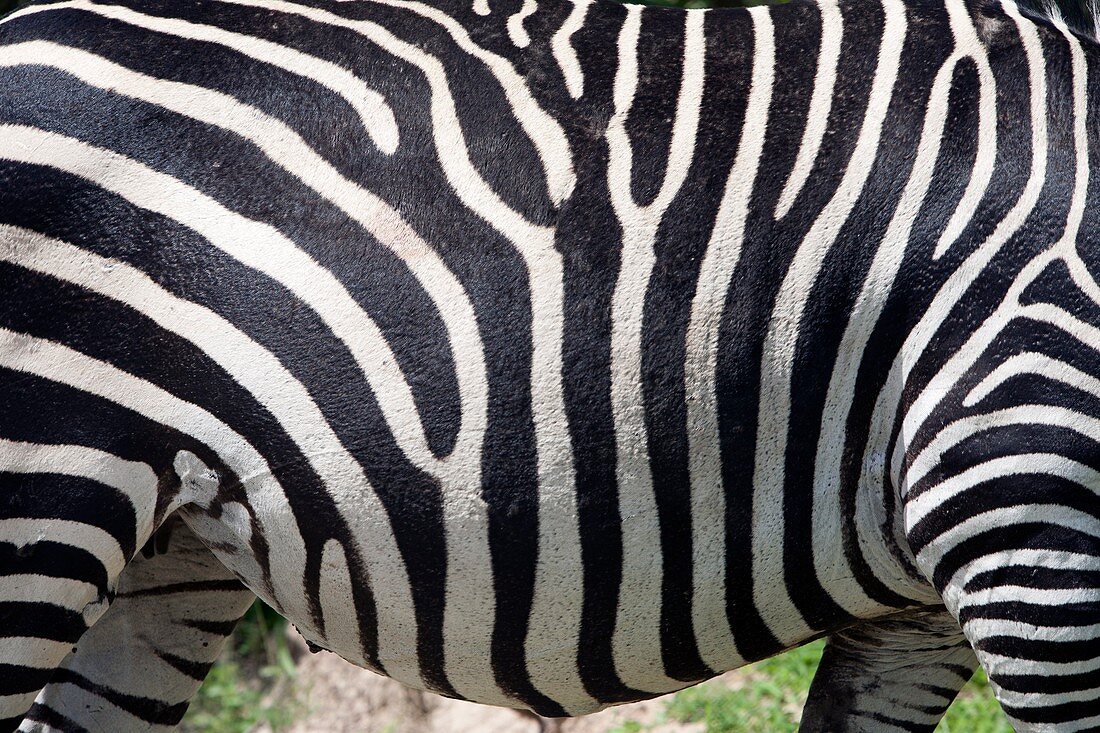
{"points": [[550, 355]]}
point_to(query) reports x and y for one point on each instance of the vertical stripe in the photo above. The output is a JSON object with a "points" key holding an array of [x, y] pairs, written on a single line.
{"points": [[637, 643], [516, 31], [708, 502], [821, 102], [563, 50]]}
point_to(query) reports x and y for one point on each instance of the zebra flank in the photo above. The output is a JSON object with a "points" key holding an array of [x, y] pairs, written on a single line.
{"points": [[551, 355]]}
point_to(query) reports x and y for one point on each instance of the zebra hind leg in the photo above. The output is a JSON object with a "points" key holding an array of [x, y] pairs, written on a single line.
{"points": [[895, 674], [70, 518], [139, 665]]}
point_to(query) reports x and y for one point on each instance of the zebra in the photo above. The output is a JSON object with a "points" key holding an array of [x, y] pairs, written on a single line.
{"points": [[551, 355]]}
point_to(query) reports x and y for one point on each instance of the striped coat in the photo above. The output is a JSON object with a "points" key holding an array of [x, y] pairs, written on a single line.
{"points": [[550, 355]]}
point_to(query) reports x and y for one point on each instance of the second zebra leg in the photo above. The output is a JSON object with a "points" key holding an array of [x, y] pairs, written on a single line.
{"points": [[895, 674], [137, 668]]}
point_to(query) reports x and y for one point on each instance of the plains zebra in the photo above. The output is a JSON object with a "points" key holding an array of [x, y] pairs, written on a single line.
{"points": [[550, 355]]}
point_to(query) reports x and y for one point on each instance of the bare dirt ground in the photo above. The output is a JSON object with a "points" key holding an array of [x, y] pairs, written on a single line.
{"points": [[341, 698]]}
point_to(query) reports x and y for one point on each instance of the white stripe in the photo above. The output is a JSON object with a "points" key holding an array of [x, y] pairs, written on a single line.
{"points": [[1062, 516], [33, 588], [636, 643], [1080, 139], [983, 628], [920, 506], [1029, 414], [377, 117], [563, 50], [1041, 365], [986, 156], [1039, 699], [998, 561], [137, 481], [1008, 665], [33, 652], [769, 478], [338, 604], [516, 31], [821, 102], [1052, 315], [26, 532], [708, 500], [1045, 597]]}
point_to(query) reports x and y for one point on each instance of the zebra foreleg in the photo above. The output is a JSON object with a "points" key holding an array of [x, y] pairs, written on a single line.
{"points": [[139, 666], [1024, 581], [896, 674]]}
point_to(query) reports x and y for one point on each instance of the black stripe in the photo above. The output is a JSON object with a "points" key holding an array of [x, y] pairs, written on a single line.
{"points": [[196, 586], [154, 712], [53, 559], [55, 720]]}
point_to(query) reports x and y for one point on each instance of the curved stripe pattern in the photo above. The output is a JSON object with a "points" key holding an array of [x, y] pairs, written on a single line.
{"points": [[551, 354]]}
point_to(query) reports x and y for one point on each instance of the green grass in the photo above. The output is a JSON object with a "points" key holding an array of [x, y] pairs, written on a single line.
{"points": [[975, 710], [776, 690], [252, 684]]}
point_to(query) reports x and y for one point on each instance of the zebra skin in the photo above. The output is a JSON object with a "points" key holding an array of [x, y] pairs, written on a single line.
{"points": [[550, 355]]}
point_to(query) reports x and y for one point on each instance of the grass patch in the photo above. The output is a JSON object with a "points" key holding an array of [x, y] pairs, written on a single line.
{"points": [[252, 684], [975, 710], [771, 702]]}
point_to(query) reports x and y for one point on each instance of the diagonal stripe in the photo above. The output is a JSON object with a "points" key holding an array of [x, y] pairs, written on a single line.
{"points": [[377, 117]]}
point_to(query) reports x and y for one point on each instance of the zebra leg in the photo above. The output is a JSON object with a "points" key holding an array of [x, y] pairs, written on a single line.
{"points": [[1012, 543], [141, 663], [70, 518], [896, 674]]}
